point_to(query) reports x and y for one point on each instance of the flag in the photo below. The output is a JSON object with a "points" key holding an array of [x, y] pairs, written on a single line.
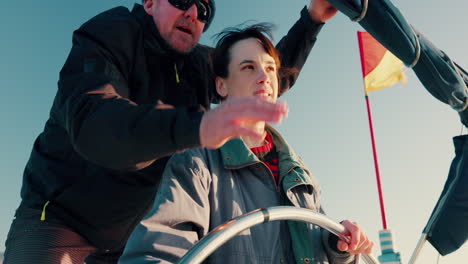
{"points": [[380, 68], [447, 228]]}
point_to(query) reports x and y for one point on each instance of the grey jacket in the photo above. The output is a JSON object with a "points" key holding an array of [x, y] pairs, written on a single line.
{"points": [[203, 188]]}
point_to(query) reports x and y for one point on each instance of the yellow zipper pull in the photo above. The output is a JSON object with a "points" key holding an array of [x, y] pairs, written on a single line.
{"points": [[176, 73], [43, 211]]}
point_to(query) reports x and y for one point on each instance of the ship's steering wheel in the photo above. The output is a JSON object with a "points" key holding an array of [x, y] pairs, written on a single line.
{"points": [[220, 235]]}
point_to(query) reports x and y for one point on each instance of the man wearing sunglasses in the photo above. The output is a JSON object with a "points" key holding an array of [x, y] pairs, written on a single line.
{"points": [[180, 22], [134, 89]]}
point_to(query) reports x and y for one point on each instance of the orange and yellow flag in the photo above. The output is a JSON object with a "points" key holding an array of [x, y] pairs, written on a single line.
{"points": [[380, 68]]}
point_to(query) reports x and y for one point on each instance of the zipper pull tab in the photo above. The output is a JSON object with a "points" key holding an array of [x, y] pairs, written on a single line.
{"points": [[43, 214], [176, 73]]}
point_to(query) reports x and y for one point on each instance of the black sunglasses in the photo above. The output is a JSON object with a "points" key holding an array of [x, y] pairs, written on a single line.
{"points": [[204, 9]]}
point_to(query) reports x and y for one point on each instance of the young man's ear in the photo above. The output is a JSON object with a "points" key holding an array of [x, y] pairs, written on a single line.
{"points": [[221, 87], [148, 4]]}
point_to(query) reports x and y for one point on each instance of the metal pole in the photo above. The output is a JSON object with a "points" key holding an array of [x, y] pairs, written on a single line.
{"points": [[376, 164], [418, 248], [228, 230]]}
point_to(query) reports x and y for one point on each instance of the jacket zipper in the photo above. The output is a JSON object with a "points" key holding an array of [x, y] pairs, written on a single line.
{"points": [[272, 177], [276, 185], [281, 197]]}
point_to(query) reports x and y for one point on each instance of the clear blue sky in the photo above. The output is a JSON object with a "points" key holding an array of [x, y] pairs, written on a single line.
{"points": [[327, 124]]}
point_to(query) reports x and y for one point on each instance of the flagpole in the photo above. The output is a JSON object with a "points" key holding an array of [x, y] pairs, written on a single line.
{"points": [[376, 163], [371, 128], [389, 254]]}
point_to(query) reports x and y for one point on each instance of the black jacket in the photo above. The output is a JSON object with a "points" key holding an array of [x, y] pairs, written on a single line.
{"points": [[102, 152]]}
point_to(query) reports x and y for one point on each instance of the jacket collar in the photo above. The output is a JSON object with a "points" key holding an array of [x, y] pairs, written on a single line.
{"points": [[293, 171], [236, 154]]}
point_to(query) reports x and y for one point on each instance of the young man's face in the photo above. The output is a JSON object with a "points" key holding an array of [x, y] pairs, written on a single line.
{"points": [[180, 29], [252, 72]]}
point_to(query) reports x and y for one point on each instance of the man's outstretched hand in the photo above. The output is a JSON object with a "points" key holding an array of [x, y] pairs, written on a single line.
{"points": [[233, 119]]}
